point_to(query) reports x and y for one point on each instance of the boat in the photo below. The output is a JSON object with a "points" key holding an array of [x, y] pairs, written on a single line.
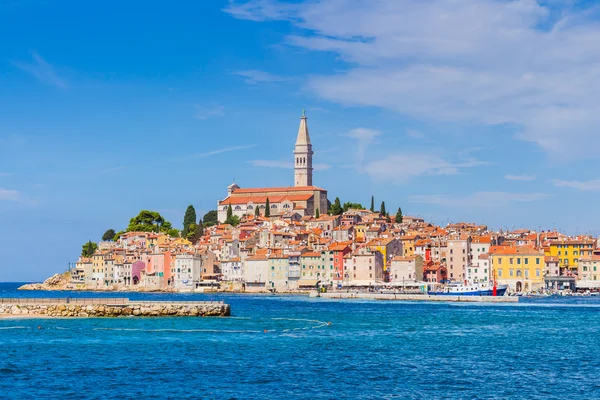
{"points": [[457, 289]]}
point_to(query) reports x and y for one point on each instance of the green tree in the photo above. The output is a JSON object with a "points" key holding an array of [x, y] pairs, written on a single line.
{"points": [[200, 229], [382, 212], [257, 212], [149, 221], [234, 220], [88, 249], [336, 208], [118, 235], [372, 204], [188, 219], [267, 209], [108, 235], [173, 232], [352, 206], [317, 214], [399, 216], [211, 218], [229, 212]]}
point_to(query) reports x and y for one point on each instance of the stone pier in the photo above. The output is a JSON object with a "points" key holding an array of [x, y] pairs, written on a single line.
{"points": [[106, 307]]}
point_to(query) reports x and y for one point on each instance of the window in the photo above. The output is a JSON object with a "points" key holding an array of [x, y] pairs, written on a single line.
{"points": [[499, 260], [518, 261], [526, 260], [537, 261], [518, 272], [499, 272], [510, 260], [511, 272], [537, 272], [526, 273]]}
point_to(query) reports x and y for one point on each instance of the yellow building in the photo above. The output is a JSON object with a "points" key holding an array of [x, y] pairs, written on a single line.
{"points": [[360, 232], [388, 247], [408, 244], [519, 267], [568, 251]]}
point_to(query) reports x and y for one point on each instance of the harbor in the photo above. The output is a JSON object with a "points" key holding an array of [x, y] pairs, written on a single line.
{"points": [[414, 297], [109, 307]]}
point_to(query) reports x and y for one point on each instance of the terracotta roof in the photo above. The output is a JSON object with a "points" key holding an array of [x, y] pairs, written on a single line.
{"points": [[259, 199], [278, 189]]}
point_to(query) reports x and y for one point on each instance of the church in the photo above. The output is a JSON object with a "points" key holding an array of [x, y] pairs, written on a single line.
{"points": [[303, 198]]}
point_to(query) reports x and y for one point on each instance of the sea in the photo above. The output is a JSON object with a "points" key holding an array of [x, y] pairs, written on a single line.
{"points": [[296, 347]]}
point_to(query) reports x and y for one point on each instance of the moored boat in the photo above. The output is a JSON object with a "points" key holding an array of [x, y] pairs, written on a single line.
{"points": [[469, 290]]}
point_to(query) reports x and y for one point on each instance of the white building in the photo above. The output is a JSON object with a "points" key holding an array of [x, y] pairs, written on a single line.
{"points": [[188, 270]]}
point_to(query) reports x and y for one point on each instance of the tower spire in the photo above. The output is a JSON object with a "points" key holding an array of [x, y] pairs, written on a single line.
{"points": [[303, 155]]}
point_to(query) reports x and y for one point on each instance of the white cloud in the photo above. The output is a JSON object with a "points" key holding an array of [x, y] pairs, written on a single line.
{"points": [[41, 70], [413, 133], [520, 62], [14, 196], [520, 177], [586, 186], [272, 164], [400, 168], [365, 137], [285, 164], [255, 77], [478, 199], [207, 112]]}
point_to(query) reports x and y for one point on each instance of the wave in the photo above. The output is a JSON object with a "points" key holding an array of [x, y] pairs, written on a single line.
{"points": [[13, 327]]}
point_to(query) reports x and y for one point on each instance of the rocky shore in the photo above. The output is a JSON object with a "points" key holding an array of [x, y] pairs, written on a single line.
{"points": [[104, 310]]}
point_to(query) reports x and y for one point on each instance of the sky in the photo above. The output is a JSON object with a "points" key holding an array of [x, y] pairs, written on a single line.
{"points": [[485, 111]]}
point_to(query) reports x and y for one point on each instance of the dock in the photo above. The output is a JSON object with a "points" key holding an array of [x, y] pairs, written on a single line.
{"points": [[110, 307], [414, 297]]}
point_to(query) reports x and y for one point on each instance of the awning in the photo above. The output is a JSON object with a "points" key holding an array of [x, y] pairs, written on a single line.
{"points": [[587, 284], [308, 282]]}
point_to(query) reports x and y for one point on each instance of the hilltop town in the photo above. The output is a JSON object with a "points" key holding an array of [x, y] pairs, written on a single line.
{"points": [[289, 239]]}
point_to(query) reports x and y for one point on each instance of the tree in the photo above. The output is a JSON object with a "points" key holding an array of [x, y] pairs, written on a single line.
{"points": [[234, 220], [211, 218], [229, 211], [336, 208], [257, 212], [118, 235], [382, 212], [173, 232], [108, 235], [267, 209], [149, 221], [200, 229], [188, 219], [372, 204], [399, 216], [88, 249], [317, 214], [352, 206]]}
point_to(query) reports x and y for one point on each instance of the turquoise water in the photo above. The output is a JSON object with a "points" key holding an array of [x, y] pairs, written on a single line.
{"points": [[541, 349]]}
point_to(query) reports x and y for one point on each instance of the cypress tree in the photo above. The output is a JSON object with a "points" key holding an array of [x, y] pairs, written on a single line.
{"points": [[317, 214], [229, 212], [372, 204], [257, 212], [399, 216], [382, 210], [267, 208], [188, 219]]}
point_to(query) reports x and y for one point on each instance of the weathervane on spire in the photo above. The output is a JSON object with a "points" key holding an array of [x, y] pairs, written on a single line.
{"points": [[304, 112]]}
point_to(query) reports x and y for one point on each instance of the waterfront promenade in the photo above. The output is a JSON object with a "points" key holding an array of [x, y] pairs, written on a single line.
{"points": [[109, 307], [414, 297]]}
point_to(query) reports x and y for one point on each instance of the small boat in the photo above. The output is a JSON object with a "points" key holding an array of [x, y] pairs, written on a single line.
{"points": [[469, 290]]}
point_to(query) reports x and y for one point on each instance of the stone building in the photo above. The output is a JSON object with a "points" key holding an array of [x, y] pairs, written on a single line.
{"points": [[303, 198]]}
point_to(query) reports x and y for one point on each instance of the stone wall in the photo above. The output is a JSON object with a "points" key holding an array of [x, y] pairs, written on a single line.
{"points": [[132, 309]]}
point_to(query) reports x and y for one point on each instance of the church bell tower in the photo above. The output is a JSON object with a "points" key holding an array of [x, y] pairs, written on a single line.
{"points": [[303, 153]]}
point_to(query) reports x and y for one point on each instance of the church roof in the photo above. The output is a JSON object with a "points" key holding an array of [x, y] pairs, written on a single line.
{"points": [[278, 189], [303, 136], [261, 199]]}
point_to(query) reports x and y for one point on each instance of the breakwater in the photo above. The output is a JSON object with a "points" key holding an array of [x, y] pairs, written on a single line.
{"points": [[414, 297], [107, 307]]}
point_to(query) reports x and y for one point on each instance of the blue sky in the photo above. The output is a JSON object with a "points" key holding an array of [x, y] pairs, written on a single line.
{"points": [[484, 111]]}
